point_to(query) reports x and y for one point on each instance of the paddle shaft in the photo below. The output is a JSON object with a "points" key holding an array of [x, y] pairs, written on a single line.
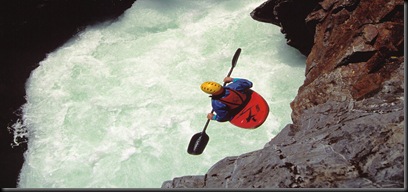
{"points": [[234, 62], [199, 141]]}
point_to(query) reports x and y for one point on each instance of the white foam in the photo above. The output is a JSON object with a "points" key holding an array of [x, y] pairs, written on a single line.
{"points": [[118, 104]]}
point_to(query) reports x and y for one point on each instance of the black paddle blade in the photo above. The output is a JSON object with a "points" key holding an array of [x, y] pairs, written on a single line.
{"points": [[234, 61], [198, 143], [235, 58]]}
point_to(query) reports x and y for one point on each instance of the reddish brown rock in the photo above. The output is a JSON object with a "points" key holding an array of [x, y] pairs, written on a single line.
{"points": [[363, 38]]}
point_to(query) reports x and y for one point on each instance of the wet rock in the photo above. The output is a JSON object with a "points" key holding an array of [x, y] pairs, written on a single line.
{"points": [[185, 182]]}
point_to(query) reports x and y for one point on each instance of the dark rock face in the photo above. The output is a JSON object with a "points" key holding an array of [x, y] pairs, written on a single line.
{"points": [[30, 30], [290, 16], [348, 116]]}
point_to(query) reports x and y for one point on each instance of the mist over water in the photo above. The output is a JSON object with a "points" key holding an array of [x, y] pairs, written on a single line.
{"points": [[117, 105]]}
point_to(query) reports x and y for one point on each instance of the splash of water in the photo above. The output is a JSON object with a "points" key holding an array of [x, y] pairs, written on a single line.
{"points": [[117, 105]]}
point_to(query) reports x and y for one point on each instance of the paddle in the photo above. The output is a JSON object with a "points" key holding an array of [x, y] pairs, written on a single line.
{"points": [[199, 140]]}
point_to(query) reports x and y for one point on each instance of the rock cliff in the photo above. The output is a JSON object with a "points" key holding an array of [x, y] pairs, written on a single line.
{"points": [[348, 116]]}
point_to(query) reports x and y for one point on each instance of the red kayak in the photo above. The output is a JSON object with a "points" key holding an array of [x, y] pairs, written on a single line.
{"points": [[253, 114]]}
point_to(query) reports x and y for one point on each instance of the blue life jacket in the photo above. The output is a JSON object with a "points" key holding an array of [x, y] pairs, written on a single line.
{"points": [[231, 101]]}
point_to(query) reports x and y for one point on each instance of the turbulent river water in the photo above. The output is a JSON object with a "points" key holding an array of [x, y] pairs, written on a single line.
{"points": [[117, 105]]}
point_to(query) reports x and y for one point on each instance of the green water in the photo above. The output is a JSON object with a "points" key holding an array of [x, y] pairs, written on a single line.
{"points": [[117, 105]]}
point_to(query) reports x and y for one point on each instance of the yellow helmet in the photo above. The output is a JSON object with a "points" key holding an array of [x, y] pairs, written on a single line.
{"points": [[211, 87]]}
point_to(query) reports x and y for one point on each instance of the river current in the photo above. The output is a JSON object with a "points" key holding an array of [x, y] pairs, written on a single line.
{"points": [[117, 105]]}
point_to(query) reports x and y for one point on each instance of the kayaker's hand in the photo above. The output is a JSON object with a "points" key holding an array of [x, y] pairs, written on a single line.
{"points": [[228, 79], [210, 116]]}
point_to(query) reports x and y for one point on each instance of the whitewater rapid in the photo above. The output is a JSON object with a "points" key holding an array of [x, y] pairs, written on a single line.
{"points": [[117, 105]]}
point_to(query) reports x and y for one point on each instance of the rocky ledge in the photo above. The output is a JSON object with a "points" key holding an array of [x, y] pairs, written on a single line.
{"points": [[348, 116]]}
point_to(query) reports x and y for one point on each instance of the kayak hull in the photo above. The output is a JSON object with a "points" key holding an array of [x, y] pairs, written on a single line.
{"points": [[253, 114]]}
